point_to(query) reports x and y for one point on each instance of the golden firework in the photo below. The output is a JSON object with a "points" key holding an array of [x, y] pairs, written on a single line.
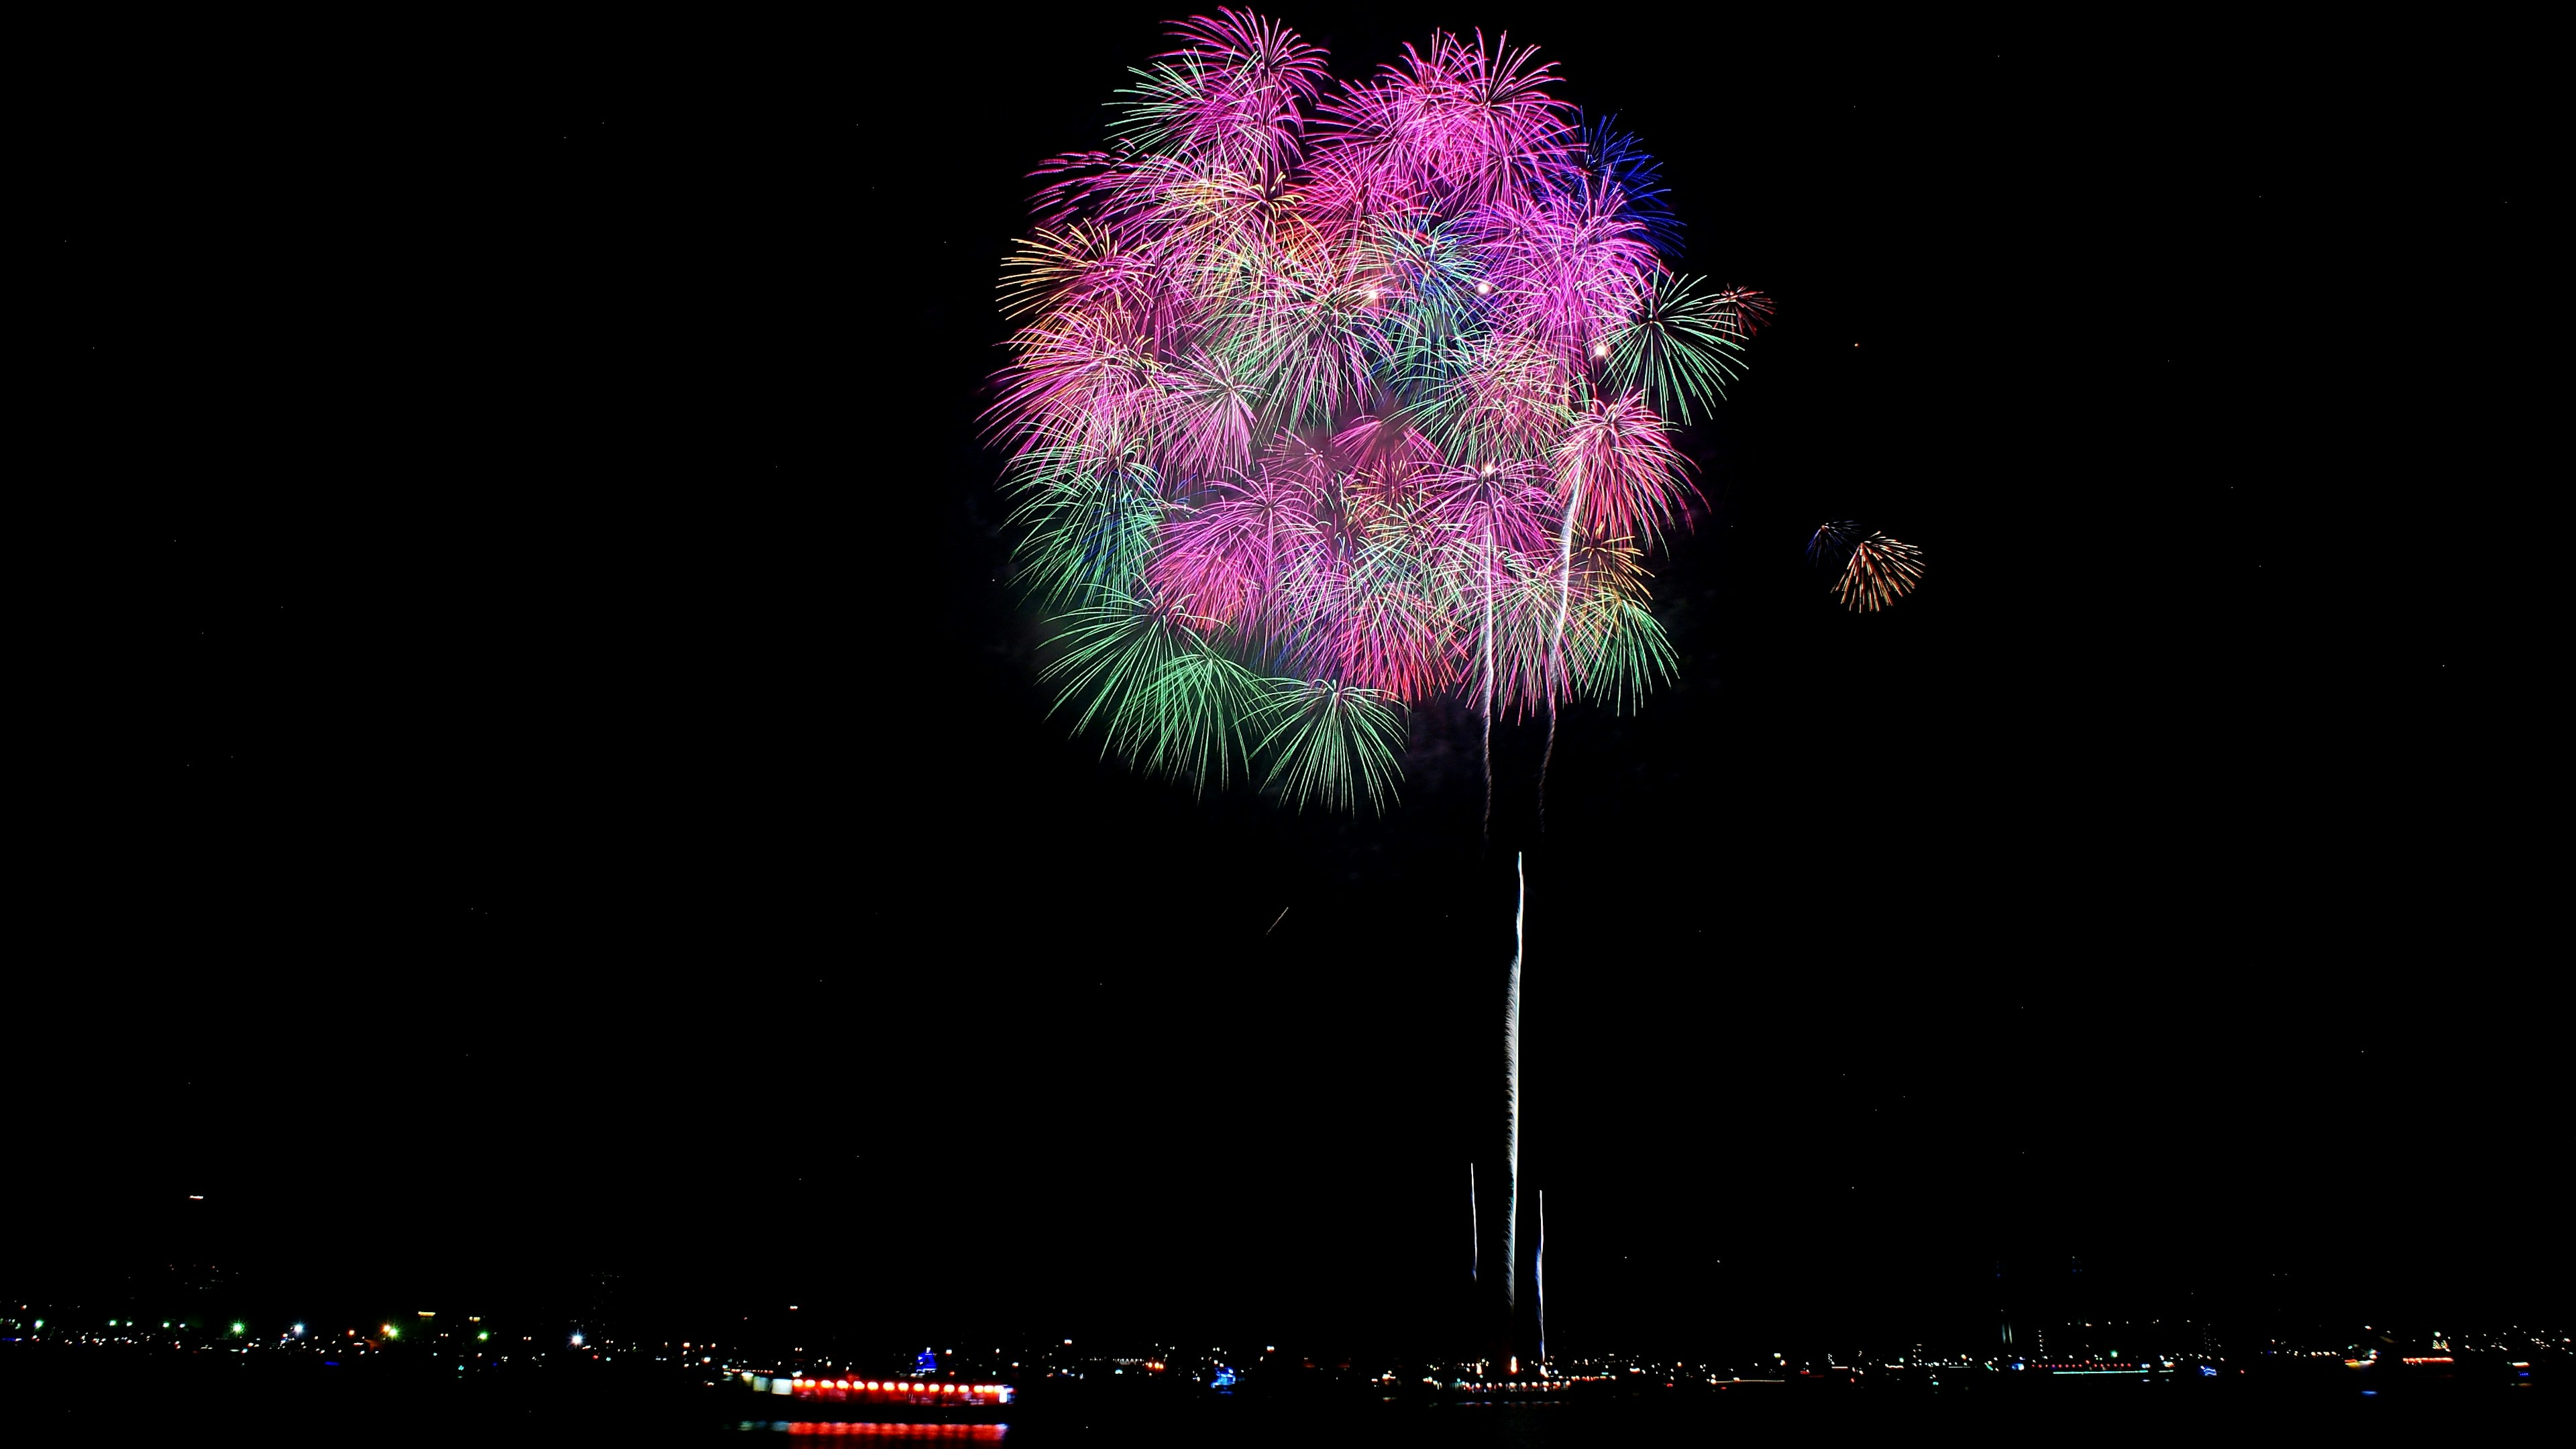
{"points": [[1880, 571]]}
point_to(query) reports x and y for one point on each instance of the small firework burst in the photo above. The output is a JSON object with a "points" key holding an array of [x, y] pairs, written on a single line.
{"points": [[1880, 571], [1831, 541]]}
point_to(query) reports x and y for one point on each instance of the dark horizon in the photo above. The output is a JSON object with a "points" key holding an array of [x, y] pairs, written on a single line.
{"points": [[569, 791]]}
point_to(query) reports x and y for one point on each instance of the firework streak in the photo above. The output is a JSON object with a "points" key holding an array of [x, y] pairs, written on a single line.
{"points": [[1880, 571], [1328, 399], [1876, 570]]}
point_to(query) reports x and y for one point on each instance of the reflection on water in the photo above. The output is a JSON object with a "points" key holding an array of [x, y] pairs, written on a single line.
{"points": [[954, 1433]]}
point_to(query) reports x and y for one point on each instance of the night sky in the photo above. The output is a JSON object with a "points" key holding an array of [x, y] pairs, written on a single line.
{"points": [[553, 781]]}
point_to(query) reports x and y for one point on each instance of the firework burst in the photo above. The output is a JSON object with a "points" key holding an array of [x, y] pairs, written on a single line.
{"points": [[1328, 400], [1879, 571], [1831, 542]]}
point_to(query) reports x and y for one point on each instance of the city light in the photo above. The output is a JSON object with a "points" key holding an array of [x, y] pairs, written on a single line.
{"points": [[576, 1340], [392, 1332]]}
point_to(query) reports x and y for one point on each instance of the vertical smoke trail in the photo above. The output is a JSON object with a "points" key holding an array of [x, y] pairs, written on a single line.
{"points": [[1490, 567], [1538, 1276], [1543, 759], [1512, 1098], [1556, 637], [1565, 572]]}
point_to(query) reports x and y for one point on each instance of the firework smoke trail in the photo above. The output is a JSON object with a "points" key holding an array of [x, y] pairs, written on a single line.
{"points": [[1491, 558], [1546, 757], [1475, 1239], [1638, 482], [1512, 1098], [1556, 636], [1538, 1275], [1564, 584], [1260, 339], [1880, 571]]}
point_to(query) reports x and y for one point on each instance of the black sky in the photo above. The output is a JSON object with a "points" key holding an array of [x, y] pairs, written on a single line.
{"points": [[559, 785]]}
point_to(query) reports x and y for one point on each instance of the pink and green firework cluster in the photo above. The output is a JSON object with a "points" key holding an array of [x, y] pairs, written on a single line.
{"points": [[1329, 398]]}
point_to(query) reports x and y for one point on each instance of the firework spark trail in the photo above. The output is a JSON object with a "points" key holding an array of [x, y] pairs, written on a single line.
{"points": [[1491, 559], [1487, 587], [1546, 757], [1512, 1096], [1306, 377], [1556, 635], [1880, 571], [1538, 1275], [1831, 541], [1475, 1231]]}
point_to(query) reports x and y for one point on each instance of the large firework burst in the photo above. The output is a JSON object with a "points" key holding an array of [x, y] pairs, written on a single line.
{"points": [[1331, 398]]}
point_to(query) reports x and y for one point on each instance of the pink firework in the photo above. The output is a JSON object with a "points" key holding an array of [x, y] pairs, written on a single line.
{"points": [[1328, 399]]}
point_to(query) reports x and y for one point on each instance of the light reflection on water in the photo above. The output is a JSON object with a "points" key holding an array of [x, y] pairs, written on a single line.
{"points": [[952, 1433]]}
